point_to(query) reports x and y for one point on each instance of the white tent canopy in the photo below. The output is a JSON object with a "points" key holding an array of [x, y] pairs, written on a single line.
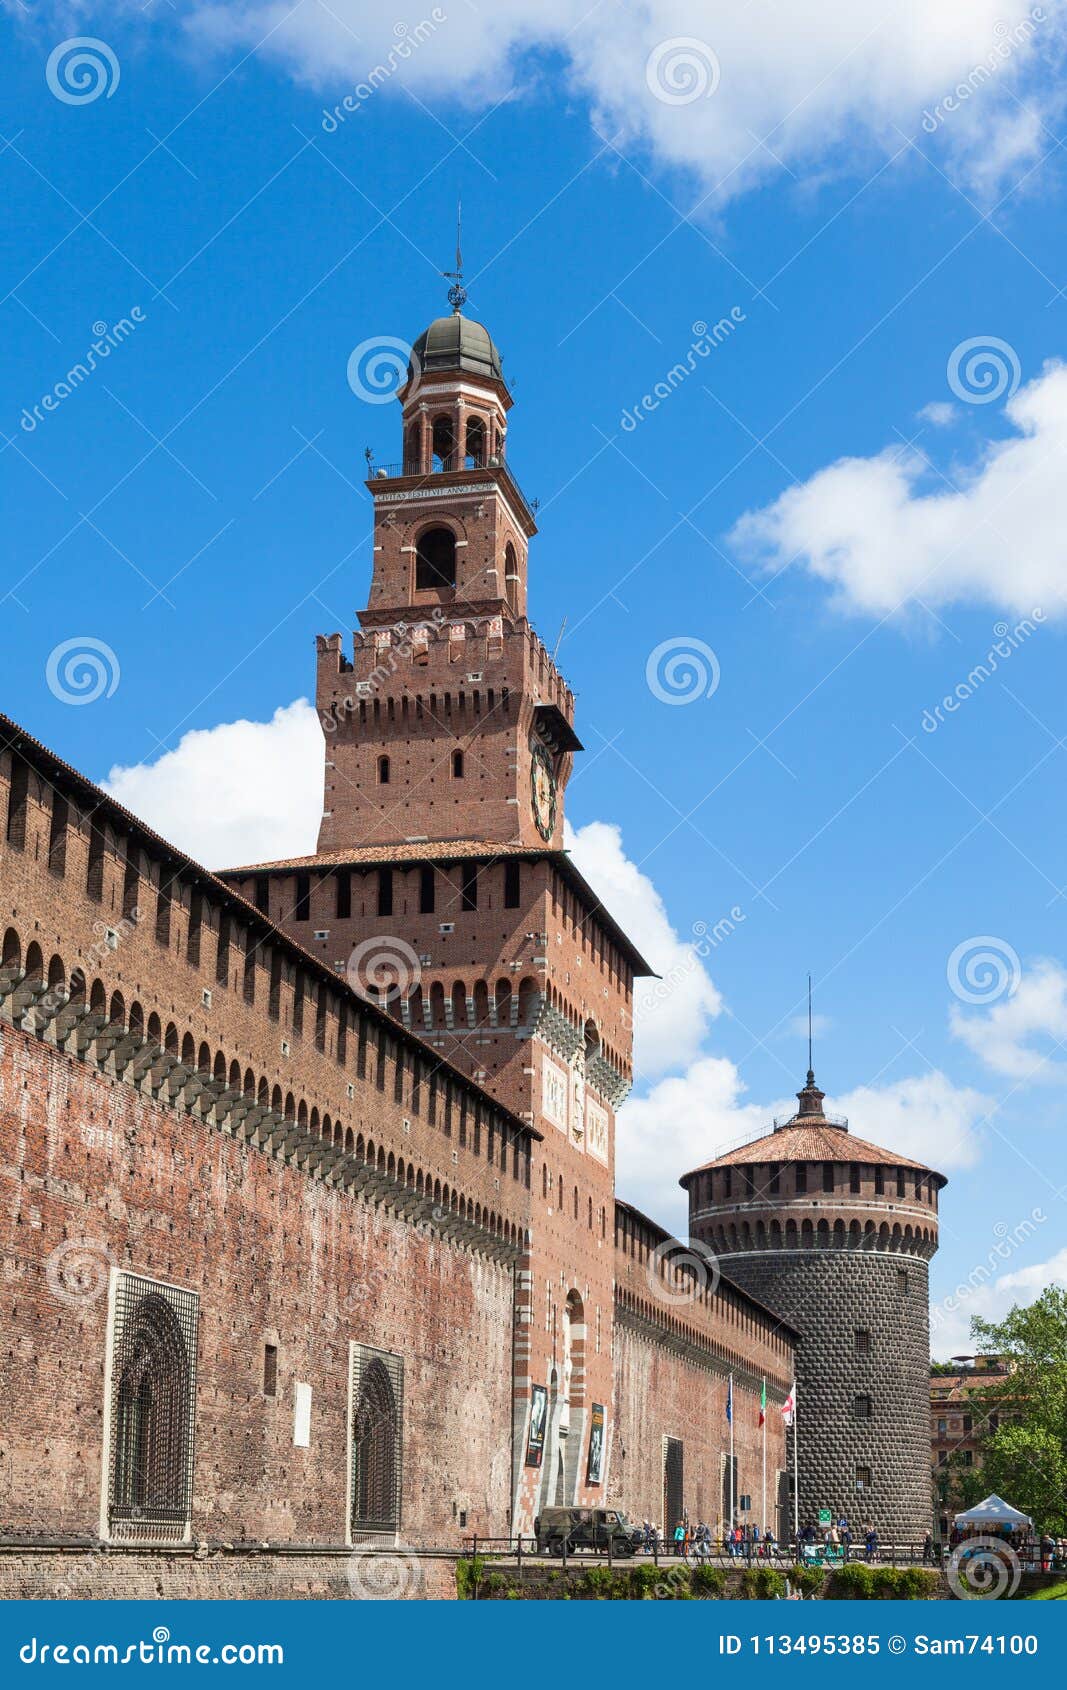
{"points": [[994, 1511]]}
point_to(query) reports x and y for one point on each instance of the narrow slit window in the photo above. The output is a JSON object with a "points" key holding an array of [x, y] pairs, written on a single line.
{"points": [[385, 891], [302, 907]]}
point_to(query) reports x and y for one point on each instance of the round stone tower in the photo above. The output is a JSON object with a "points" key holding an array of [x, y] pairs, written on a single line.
{"points": [[835, 1234]]}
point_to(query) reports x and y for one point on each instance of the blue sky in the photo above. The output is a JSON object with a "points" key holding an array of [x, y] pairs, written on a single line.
{"points": [[196, 505]]}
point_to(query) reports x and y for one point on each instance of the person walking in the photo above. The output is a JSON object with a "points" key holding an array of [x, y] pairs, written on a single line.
{"points": [[872, 1543], [679, 1538]]}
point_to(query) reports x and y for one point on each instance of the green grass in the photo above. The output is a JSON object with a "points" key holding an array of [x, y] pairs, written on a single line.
{"points": [[1053, 1593]]}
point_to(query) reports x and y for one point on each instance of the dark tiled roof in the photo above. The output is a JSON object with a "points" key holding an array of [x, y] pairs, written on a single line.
{"points": [[812, 1139]]}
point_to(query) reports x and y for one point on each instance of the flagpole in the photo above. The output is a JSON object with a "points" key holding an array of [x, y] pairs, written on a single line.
{"points": [[763, 1412], [732, 1498], [796, 1474]]}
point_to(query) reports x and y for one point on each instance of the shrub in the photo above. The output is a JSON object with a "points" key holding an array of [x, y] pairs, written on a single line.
{"points": [[762, 1583], [708, 1581], [596, 1582], [469, 1572], [854, 1582], [808, 1580], [642, 1581], [916, 1584]]}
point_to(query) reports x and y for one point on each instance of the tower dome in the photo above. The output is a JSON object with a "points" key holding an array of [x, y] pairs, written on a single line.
{"points": [[457, 343], [836, 1233]]}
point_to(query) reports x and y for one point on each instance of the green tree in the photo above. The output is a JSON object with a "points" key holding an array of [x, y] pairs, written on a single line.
{"points": [[1026, 1457], [1027, 1465]]}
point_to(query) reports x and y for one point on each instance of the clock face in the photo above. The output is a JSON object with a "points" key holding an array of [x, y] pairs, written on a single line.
{"points": [[543, 792]]}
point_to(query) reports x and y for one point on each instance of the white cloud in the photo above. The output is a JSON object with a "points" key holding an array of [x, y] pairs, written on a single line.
{"points": [[885, 531], [827, 84], [1018, 1036], [252, 791], [689, 1119], [671, 1014], [683, 1122], [981, 1291], [939, 413], [242, 792], [925, 1117]]}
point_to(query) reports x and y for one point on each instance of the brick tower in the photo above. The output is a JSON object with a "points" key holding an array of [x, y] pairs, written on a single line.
{"points": [[836, 1235], [441, 887]]}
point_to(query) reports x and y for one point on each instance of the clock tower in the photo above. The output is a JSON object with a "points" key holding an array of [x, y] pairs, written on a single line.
{"points": [[441, 886], [452, 722]]}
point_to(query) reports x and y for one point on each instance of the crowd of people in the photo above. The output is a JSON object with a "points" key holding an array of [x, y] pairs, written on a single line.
{"points": [[698, 1540], [1045, 1553]]}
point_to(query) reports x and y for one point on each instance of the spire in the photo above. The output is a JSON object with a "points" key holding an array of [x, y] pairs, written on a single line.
{"points": [[810, 1098], [811, 1070], [457, 293]]}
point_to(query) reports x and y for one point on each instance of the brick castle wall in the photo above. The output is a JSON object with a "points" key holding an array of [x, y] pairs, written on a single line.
{"points": [[276, 1257]]}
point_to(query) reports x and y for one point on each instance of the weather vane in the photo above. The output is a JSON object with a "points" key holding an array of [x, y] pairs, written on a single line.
{"points": [[457, 293], [811, 1070]]}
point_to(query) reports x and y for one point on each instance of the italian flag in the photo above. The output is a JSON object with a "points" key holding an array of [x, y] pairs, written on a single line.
{"points": [[763, 1403]]}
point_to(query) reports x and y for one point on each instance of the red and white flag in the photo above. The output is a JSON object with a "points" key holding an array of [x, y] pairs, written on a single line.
{"points": [[789, 1407]]}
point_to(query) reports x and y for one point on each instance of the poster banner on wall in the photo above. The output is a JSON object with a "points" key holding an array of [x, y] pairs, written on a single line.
{"points": [[596, 1445], [535, 1442]]}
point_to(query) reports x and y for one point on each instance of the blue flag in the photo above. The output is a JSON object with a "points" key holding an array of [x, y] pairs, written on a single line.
{"points": [[730, 1399]]}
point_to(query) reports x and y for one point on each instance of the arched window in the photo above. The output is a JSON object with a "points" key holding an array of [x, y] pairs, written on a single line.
{"points": [[457, 765], [377, 1392], [511, 577], [475, 453], [444, 443], [152, 1426], [383, 771], [435, 560]]}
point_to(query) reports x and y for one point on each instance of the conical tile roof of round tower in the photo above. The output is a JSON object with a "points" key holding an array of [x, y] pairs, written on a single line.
{"points": [[811, 1136]]}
